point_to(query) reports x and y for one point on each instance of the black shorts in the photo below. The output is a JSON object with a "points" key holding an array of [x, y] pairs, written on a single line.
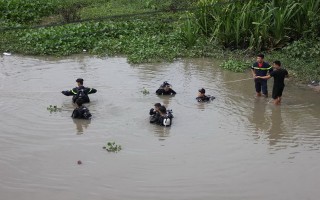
{"points": [[277, 91]]}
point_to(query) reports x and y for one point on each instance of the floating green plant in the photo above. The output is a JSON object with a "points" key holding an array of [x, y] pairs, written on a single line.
{"points": [[52, 108], [145, 91], [112, 147]]}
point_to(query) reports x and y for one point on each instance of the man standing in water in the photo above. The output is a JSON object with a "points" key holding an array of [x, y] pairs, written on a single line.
{"points": [[80, 92], [279, 74], [261, 68]]}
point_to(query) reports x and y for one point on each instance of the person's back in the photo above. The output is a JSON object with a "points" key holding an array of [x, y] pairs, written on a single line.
{"points": [[81, 112], [80, 92], [279, 75]]}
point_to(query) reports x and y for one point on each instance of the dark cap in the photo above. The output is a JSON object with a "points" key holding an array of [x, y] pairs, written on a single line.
{"points": [[79, 80], [202, 90], [157, 104]]}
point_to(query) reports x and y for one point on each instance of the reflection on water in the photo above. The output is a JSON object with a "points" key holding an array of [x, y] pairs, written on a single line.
{"points": [[277, 126], [81, 124], [207, 153]]}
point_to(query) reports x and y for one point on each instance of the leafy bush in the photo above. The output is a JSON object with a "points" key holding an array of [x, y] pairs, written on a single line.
{"points": [[235, 65], [23, 11]]}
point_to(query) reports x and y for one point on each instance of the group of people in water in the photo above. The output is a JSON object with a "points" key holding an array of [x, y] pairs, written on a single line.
{"points": [[162, 116], [158, 115]]}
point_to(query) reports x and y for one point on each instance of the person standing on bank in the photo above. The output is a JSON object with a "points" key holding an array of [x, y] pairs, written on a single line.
{"points": [[261, 68], [80, 92], [279, 74]]}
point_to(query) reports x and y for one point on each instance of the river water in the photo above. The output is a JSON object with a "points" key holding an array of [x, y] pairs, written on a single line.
{"points": [[236, 147]]}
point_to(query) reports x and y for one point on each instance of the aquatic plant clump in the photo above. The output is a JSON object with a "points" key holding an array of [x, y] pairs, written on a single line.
{"points": [[235, 65], [52, 108], [145, 91], [112, 147]]}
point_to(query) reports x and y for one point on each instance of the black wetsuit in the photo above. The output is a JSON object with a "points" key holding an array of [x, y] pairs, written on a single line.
{"points": [[154, 115], [161, 119], [205, 98], [80, 92], [162, 91], [81, 112], [278, 85]]}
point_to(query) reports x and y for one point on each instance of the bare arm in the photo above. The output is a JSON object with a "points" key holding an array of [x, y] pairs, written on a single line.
{"points": [[253, 73]]}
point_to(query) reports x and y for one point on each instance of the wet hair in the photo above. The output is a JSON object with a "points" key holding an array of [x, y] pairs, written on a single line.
{"points": [[80, 80], [277, 62], [162, 110], [202, 91], [79, 102], [157, 105], [165, 84], [260, 55]]}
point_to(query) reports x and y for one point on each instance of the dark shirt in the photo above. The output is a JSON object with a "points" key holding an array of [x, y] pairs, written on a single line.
{"points": [[154, 116], [278, 76], [81, 112], [161, 91], [77, 91], [205, 98], [161, 119], [261, 69]]}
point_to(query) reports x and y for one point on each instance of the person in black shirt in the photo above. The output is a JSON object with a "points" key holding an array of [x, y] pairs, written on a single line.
{"points": [[261, 68], [81, 112], [165, 89], [154, 112], [80, 92], [165, 118], [202, 97], [279, 74]]}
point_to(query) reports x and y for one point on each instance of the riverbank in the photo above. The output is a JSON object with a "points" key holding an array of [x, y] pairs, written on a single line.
{"points": [[144, 31]]}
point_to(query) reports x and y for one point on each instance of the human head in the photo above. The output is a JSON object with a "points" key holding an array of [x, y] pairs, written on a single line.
{"points": [[165, 85], [79, 81], [79, 102], [162, 110], [202, 92], [157, 106], [277, 64], [260, 58]]}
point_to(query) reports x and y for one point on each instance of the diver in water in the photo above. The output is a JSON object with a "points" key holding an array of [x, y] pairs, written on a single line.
{"points": [[165, 89], [202, 97], [81, 112], [154, 112], [165, 118], [80, 92]]}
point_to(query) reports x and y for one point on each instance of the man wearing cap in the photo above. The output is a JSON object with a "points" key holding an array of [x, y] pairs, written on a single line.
{"points": [[80, 92], [202, 97], [165, 89]]}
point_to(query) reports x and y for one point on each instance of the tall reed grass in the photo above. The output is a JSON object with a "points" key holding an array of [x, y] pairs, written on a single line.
{"points": [[255, 24]]}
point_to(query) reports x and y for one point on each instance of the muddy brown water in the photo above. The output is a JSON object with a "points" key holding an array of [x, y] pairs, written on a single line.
{"points": [[236, 147]]}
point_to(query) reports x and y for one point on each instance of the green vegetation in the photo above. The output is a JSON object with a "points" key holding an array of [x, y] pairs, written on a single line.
{"points": [[235, 65], [145, 91], [112, 147], [52, 108], [158, 30]]}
